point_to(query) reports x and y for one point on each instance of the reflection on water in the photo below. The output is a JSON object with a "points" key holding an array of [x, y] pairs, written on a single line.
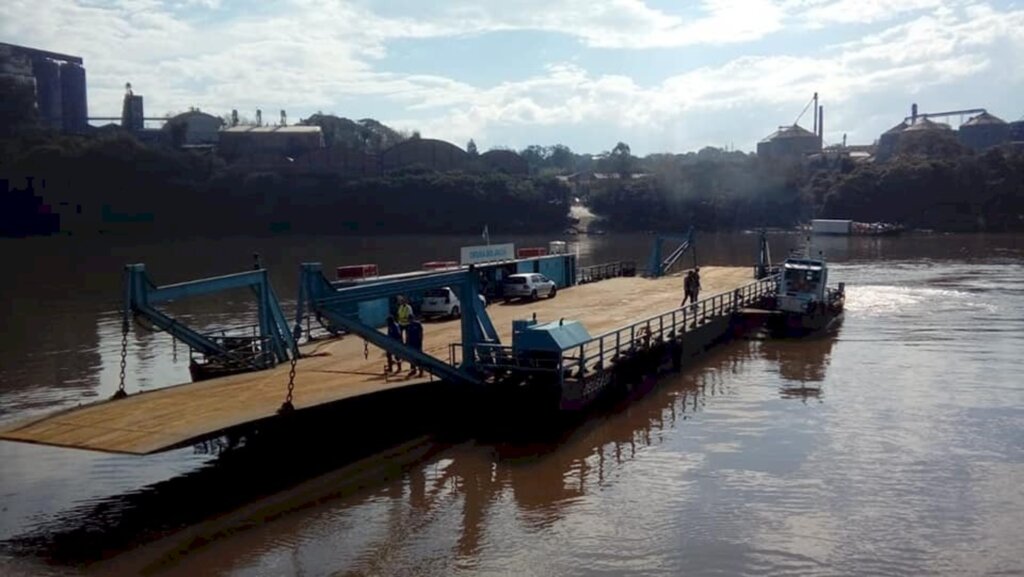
{"points": [[902, 456], [802, 363]]}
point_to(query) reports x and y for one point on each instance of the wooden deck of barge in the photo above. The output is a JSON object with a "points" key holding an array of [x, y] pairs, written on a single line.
{"points": [[171, 417]]}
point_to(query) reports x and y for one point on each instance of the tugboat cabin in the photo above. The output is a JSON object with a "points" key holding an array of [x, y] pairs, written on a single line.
{"points": [[802, 284]]}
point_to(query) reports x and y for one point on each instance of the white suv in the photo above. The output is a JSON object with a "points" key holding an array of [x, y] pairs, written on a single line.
{"points": [[528, 286], [443, 302]]}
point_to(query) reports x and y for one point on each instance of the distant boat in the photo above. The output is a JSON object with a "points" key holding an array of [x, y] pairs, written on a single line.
{"points": [[876, 229], [843, 227]]}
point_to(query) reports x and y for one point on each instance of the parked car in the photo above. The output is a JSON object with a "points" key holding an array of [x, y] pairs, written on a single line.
{"points": [[443, 302], [528, 286]]}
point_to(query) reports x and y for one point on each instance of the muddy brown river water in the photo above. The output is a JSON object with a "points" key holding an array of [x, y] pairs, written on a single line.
{"points": [[895, 446]]}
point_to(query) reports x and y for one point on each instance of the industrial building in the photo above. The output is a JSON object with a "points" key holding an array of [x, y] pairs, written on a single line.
{"points": [[132, 113], [984, 131], [193, 128], [58, 81], [889, 141], [284, 141], [794, 142], [789, 142], [506, 161], [923, 124], [979, 132], [426, 152]]}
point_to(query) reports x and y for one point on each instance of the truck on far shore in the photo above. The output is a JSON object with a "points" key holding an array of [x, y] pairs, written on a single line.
{"points": [[831, 226], [842, 227]]}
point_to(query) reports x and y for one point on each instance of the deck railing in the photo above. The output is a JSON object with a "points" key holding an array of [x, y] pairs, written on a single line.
{"points": [[596, 272], [605, 348]]}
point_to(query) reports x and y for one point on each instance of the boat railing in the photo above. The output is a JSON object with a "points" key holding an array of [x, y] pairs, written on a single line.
{"points": [[607, 348], [243, 346], [610, 346], [241, 349]]}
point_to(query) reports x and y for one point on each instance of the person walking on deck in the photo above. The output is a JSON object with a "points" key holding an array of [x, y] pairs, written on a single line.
{"points": [[404, 313], [687, 288], [414, 340], [394, 332], [696, 284]]}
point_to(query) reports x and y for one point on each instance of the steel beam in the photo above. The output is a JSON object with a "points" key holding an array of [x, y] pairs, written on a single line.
{"points": [[432, 365], [141, 293], [326, 300]]}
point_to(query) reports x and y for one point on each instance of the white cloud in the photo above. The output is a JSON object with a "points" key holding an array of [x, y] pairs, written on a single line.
{"points": [[629, 24], [325, 55], [821, 13], [929, 52]]}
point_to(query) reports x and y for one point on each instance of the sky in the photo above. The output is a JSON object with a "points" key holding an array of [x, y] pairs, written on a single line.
{"points": [[660, 75]]}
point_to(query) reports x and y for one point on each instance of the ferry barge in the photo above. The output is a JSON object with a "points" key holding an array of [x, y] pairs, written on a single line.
{"points": [[549, 356]]}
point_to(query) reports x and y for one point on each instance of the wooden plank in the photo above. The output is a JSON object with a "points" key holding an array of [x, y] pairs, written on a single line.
{"points": [[157, 420]]}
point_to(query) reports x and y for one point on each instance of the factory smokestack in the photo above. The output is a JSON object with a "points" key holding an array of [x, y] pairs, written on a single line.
{"points": [[815, 113], [821, 123], [913, 113], [259, 117]]}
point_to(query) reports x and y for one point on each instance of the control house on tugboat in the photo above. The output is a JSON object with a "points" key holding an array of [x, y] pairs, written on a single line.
{"points": [[804, 301]]}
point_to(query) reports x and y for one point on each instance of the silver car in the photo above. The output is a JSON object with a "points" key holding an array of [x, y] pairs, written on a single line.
{"points": [[528, 286]]}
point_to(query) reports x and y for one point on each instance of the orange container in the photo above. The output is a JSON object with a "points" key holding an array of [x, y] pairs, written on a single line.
{"points": [[356, 271]]}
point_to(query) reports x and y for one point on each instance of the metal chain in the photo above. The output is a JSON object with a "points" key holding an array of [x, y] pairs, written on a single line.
{"points": [[366, 349], [120, 393], [287, 406]]}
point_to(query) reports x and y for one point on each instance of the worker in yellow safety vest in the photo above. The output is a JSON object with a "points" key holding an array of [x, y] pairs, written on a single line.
{"points": [[404, 313]]}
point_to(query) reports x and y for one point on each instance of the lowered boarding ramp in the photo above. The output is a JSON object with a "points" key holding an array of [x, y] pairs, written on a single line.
{"points": [[325, 372]]}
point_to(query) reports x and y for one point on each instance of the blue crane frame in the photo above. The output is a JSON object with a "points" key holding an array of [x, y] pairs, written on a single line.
{"points": [[657, 265], [141, 293], [319, 296]]}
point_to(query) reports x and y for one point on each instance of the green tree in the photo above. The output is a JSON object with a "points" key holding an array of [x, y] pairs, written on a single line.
{"points": [[621, 160], [561, 157]]}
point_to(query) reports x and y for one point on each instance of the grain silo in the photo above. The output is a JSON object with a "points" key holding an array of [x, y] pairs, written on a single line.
{"points": [[74, 106], [789, 142], [925, 124], [984, 131], [48, 92], [889, 141], [59, 83]]}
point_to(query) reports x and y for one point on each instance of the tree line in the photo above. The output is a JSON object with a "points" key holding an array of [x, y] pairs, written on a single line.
{"points": [[113, 183], [110, 181], [931, 182]]}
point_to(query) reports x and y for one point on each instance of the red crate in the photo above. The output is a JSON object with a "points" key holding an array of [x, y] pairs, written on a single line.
{"points": [[530, 252], [439, 264], [354, 271]]}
